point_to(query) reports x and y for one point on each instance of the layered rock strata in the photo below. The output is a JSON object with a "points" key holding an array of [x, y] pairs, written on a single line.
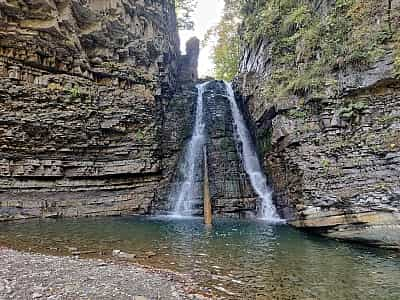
{"points": [[82, 90]]}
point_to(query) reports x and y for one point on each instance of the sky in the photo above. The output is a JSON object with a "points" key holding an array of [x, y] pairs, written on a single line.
{"points": [[207, 14]]}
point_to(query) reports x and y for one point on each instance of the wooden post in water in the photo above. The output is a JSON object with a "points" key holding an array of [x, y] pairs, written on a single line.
{"points": [[207, 198]]}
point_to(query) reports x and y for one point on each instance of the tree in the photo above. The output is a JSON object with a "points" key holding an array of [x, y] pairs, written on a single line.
{"points": [[184, 11], [225, 42]]}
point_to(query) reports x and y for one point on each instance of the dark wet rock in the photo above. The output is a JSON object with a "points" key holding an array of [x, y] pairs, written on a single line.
{"points": [[149, 254], [231, 192], [230, 188]]}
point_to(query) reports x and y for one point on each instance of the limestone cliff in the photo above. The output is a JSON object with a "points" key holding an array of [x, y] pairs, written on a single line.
{"points": [[83, 87], [322, 95]]}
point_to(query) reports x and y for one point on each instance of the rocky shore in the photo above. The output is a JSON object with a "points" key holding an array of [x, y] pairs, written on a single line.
{"points": [[36, 276]]}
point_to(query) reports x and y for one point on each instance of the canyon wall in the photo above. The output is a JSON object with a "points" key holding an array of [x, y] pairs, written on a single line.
{"points": [[323, 97], [96, 107], [83, 89]]}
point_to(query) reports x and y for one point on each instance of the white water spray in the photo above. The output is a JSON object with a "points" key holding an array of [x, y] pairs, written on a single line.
{"points": [[187, 190], [251, 162]]}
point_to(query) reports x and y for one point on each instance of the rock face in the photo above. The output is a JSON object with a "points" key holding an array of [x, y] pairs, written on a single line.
{"points": [[177, 128], [230, 189], [189, 62], [83, 89], [333, 157]]}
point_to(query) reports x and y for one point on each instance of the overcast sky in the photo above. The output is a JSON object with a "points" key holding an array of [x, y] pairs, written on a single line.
{"points": [[207, 14]]}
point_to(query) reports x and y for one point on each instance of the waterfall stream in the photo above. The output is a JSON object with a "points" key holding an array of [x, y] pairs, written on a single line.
{"points": [[251, 162], [187, 190], [187, 193]]}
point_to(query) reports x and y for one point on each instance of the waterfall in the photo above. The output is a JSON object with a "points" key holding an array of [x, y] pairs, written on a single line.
{"points": [[251, 162], [187, 190]]}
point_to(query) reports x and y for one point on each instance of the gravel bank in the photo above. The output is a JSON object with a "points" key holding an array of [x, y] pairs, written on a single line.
{"points": [[35, 276]]}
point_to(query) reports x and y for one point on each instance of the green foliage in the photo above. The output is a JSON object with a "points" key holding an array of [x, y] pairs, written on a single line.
{"points": [[325, 163], [54, 87], [139, 135], [74, 92], [352, 110], [397, 65], [298, 18], [225, 43], [298, 114], [308, 48], [388, 119], [111, 65]]}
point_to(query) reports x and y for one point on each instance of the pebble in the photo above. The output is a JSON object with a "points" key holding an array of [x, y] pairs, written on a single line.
{"points": [[221, 289], [150, 253], [123, 255], [35, 276], [36, 295]]}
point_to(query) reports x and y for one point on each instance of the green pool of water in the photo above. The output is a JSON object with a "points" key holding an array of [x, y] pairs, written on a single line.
{"points": [[235, 259]]}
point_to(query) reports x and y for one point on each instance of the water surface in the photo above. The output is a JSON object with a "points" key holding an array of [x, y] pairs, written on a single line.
{"points": [[234, 259]]}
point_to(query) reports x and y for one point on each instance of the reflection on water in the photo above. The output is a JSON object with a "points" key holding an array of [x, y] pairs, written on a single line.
{"points": [[237, 259]]}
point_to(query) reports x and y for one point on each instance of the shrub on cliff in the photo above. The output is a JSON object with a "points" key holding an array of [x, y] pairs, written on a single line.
{"points": [[308, 44]]}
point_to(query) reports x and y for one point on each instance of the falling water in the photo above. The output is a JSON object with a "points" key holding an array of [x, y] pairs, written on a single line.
{"points": [[187, 189], [251, 162]]}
